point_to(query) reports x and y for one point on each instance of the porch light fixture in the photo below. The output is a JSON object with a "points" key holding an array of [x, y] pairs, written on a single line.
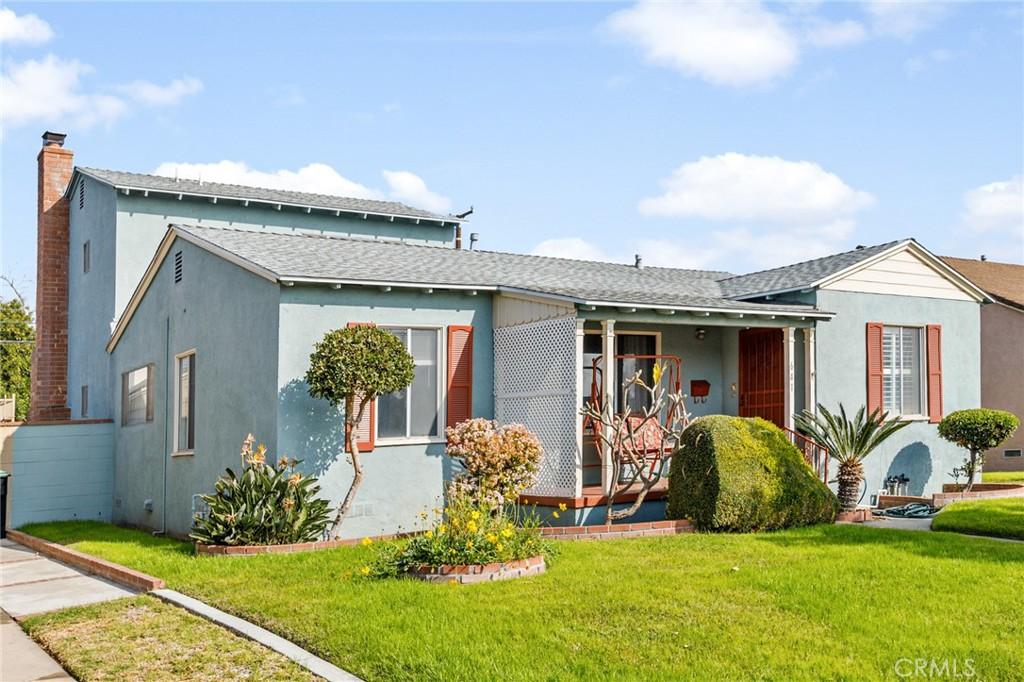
{"points": [[700, 333]]}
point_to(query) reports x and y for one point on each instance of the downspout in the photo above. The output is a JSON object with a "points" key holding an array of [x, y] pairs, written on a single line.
{"points": [[167, 404]]}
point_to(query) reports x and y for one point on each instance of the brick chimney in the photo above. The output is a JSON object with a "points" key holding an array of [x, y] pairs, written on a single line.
{"points": [[50, 357]]}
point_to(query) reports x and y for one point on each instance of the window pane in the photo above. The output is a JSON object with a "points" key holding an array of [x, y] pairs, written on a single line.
{"points": [[424, 345], [137, 394], [424, 401], [889, 379], [391, 415], [911, 371], [184, 393]]}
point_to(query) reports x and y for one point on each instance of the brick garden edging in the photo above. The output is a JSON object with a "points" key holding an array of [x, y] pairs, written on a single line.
{"points": [[89, 564], [618, 530], [466, 574]]}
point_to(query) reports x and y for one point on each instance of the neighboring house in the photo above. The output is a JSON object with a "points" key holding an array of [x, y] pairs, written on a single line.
{"points": [[1002, 349], [193, 307]]}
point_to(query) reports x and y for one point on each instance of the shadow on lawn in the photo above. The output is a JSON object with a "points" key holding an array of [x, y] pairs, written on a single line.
{"points": [[923, 543]]}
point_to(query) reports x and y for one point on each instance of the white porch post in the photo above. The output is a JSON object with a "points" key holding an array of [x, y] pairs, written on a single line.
{"points": [[810, 371], [608, 390], [578, 492], [789, 367]]}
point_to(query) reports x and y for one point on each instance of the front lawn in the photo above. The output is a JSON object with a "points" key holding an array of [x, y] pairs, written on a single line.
{"points": [[142, 638], [1002, 476], [1001, 518], [824, 602]]}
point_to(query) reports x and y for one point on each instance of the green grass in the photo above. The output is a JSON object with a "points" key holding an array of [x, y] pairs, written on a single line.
{"points": [[1001, 518], [142, 638], [837, 602], [1002, 476]]}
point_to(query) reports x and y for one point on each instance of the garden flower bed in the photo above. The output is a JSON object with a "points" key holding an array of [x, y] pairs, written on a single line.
{"points": [[478, 573]]}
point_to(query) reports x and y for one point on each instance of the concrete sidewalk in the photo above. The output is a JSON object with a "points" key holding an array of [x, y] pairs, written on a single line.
{"points": [[30, 584]]}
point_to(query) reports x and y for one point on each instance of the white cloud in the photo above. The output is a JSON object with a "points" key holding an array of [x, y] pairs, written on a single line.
{"points": [[411, 189], [570, 247], [918, 63], [49, 91], [996, 207], [821, 33], [903, 18], [28, 29], [152, 94], [781, 245], [735, 186], [673, 253], [729, 44], [316, 178]]}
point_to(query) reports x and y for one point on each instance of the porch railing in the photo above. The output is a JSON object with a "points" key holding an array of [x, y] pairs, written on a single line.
{"points": [[815, 454]]}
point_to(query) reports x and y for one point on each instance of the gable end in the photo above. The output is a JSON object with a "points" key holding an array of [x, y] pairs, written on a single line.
{"points": [[904, 272]]}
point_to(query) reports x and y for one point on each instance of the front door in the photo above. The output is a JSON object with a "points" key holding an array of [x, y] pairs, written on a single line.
{"points": [[762, 392]]}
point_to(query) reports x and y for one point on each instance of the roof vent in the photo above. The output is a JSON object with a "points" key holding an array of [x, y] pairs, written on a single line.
{"points": [[177, 267], [474, 237], [984, 257], [638, 261], [860, 247]]}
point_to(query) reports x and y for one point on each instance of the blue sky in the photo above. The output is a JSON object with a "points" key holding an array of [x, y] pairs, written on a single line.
{"points": [[721, 136]]}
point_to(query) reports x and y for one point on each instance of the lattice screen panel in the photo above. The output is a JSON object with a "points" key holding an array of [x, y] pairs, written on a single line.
{"points": [[535, 385]]}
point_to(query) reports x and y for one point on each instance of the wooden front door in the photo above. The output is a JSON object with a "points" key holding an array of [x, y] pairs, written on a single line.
{"points": [[762, 386]]}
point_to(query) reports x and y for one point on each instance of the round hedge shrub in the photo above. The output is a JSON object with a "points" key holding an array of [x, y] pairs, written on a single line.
{"points": [[737, 474], [978, 429]]}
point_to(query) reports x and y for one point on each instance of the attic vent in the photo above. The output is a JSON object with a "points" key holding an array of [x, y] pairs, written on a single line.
{"points": [[81, 194], [177, 267]]}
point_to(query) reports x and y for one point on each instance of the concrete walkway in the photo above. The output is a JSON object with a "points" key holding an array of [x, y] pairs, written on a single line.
{"points": [[30, 584], [898, 523]]}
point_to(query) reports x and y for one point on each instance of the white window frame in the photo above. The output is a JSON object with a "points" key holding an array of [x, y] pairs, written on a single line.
{"points": [[922, 346], [126, 423], [442, 390], [175, 452]]}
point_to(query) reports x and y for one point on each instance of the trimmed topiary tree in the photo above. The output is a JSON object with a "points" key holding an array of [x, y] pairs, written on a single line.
{"points": [[351, 367], [738, 474], [977, 430]]}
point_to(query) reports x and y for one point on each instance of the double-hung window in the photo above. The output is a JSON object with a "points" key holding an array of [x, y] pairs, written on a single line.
{"points": [[414, 412], [185, 403], [903, 374]]}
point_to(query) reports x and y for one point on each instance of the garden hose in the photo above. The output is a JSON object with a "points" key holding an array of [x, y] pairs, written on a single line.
{"points": [[914, 510]]}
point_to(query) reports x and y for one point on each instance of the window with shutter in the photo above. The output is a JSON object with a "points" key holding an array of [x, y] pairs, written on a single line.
{"points": [[460, 374], [897, 376]]}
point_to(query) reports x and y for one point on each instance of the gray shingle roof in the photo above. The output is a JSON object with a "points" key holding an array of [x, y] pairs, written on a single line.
{"points": [[328, 257], [159, 183], [799, 275]]}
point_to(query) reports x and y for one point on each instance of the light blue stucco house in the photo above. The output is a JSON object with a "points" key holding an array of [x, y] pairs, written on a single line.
{"points": [[193, 307]]}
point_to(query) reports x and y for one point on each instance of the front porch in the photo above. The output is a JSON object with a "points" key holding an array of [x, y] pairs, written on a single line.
{"points": [[734, 364]]}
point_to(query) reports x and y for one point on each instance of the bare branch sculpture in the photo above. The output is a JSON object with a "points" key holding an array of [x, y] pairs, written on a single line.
{"points": [[640, 443]]}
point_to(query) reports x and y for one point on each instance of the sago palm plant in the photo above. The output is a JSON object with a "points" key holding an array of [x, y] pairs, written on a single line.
{"points": [[849, 442]]}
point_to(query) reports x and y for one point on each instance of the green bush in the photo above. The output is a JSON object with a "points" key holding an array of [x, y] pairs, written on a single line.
{"points": [[736, 474], [266, 505]]}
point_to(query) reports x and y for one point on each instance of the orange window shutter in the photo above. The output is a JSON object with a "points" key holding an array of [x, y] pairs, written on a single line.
{"points": [[366, 430], [933, 333], [874, 365], [460, 374]]}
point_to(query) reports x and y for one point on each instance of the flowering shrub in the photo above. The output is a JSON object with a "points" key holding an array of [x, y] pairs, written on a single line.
{"points": [[266, 505], [467, 531], [498, 462]]}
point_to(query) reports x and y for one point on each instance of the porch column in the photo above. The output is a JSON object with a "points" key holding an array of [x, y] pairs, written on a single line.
{"points": [[579, 399], [608, 390], [789, 376], [810, 371]]}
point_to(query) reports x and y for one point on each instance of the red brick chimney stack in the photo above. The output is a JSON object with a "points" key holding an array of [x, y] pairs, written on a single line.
{"points": [[50, 357]]}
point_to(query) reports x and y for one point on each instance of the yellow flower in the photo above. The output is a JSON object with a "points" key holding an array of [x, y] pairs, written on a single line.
{"points": [[469, 544], [365, 570], [555, 514], [471, 526], [257, 458], [429, 534], [562, 506], [441, 528], [657, 372], [492, 538], [453, 581], [499, 547], [507, 532], [475, 515], [367, 541]]}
